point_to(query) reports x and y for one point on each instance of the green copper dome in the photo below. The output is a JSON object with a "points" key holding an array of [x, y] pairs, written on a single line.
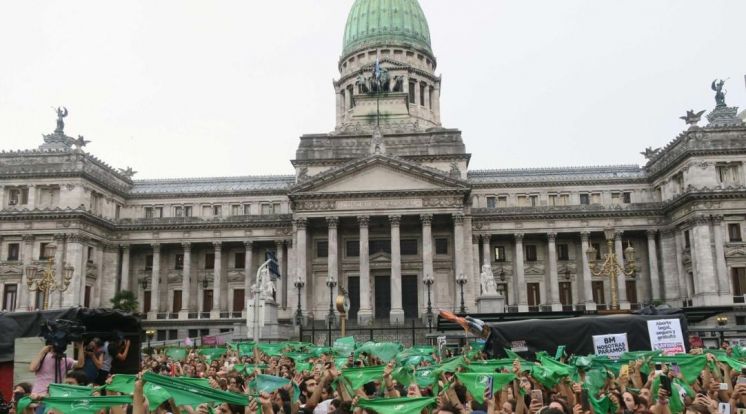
{"points": [[386, 23]]}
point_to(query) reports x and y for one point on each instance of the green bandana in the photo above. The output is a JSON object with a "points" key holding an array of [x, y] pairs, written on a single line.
{"points": [[270, 383], [186, 392], [121, 383], [345, 346], [84, 405], [176, 354], [476, 383], [65, 390], [386, 351], [357, 377], [212, 353], [397, 405]]}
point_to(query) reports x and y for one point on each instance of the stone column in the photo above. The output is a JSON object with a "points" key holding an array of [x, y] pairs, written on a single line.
{"points": [[671, 289], [458, 254], [217, 281], [486, 251], [101, 295], [436, 103], [587, 276], [722, 270], [703, 264], [25, 298], [74, 255], [684, 290], [281, 281], [186, 281], [621, 282], [553, 285], [427, 97], [56, 298], [155, 293], [290, 290], [333, 249], [365, 314], [520, 276], [31, 197], [475, 256], [300, 254], [417, 94], [397, 311], [427, 255], [249, 275], [340, 106], [655, 282], [124, 281]]}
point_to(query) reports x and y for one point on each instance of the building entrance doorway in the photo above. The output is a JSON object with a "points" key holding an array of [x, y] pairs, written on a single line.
{"points": [[383, 297], [353, 291], [409, 296]]}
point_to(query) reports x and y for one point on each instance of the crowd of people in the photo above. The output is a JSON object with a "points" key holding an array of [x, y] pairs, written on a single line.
{"points": [[369, 378]]}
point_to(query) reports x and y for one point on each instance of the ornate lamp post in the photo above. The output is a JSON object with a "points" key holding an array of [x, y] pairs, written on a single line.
{"points": [[150, 333], [299, 283], [461, 280], [610, 265], [330, 317], [43, 280], [428, 281], [722, 320]]}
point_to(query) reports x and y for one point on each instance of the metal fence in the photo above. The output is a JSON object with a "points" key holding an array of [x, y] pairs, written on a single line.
{"points": [[409, 334]]}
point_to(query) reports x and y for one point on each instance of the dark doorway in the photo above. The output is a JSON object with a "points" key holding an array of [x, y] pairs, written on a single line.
{"points": [[383, 297], [534, 297], [206, 300], [598, 292], [409, 296], [177, 301], [353, 290], [146, 301], [565, 293], [238, 300], [631, 286]]}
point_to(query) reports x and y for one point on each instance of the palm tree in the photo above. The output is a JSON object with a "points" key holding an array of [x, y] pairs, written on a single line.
{"points": [[124, 300]]}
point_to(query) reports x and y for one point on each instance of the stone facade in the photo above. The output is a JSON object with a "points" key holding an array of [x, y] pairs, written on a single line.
{"points": [[378, 205]]}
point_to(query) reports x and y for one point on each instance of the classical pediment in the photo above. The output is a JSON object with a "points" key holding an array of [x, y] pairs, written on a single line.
{"points": [[379, 173]]}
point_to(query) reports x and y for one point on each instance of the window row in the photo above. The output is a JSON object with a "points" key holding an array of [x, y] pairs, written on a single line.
{"points": [[408, 247], [238, 260], [13, 252], [211, 210], [555, 200]]}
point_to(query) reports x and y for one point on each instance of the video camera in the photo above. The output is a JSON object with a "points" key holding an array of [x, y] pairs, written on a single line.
{"points": [[61, 333]]}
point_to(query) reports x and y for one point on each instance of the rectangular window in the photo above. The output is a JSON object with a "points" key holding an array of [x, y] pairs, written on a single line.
{"points": [[533, 294], [14, 250], [193, 333], [734, 232], [585, 198], [441, 246], [729, 173], [412, 85], [687, 240], [616, 199], [9, 297], [158, 212], [522, 201], [206, 300], [502, 201], [204, 332], [146, 301], [148, 212], [187, 211], [563, 252], [173, 334], [595, 198], [276, 208], [239, 260], [149, 262], [176, 305], [678, 181], [239, 300], [91, 252], [598, 292], [43, 251], [117, 212], [408, 247], [500, 254], [236, 210], [564, 199], [422, 94], [491, 202], [553, 200], [217, 211], [379, 246], [533, 200], [246, 209], [161, 335], [740, 320], [206, 211], [178, 211], [266, 209], [530, 253], [738, 274], [626, 197], [209, 261], [322, 248], [179, 261], [353, 248]]}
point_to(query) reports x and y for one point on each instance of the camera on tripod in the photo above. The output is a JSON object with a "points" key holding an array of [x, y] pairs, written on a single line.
{"points": [[61, 333]]}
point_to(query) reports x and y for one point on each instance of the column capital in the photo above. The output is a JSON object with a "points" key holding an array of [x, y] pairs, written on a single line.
{"points": [[289, 243], [651, 232], [301, 222], [518, 237], [218, 245], [332, 221], [187, 246], [248, 244], [475, 238], [124, 246], [279, 243], [552, 236], [395, 220], [28, 238], [717, 219], [156, 247], [486, 238], [458, 219], [59, 237], [427, 219], [585, 235], [618, 235], [363, 221]]}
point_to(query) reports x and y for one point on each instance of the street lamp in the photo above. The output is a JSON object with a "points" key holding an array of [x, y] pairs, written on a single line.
{"points": [[610, 266], [144, 283], [428, 281], [299, 283], [461, 280], [722, 320], [150, 333], [330, 317], [43, 280]]}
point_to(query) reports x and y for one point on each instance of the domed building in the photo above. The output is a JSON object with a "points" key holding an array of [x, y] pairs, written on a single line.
{"points": [[384, 209]]}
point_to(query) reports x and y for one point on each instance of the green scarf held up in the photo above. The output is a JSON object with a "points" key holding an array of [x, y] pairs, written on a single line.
{"points": [[122, 383], [78, 405], [385, 351], [397, 405], [679, 389], [357, 377], [690, 365], [601, 405], [345, 346], [65, 390], [476, 383], [212, 353], [270, 383], [176, 354], [186, 392]]}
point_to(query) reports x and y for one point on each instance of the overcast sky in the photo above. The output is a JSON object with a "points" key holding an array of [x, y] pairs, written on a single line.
{"points": [[216, 88]]}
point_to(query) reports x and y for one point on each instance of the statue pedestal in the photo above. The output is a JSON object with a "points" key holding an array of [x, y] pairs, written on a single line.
{"points": [[269, 329], [491, 303]]}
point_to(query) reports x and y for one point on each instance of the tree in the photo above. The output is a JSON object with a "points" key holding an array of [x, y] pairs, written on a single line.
{"points": [[125, 300]]}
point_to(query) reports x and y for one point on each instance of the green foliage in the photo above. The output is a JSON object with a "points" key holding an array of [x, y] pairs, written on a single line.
{"points": [[125, 301]]}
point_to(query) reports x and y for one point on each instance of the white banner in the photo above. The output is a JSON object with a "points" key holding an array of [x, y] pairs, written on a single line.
{"points": [[665, 334], [612, 345]]}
